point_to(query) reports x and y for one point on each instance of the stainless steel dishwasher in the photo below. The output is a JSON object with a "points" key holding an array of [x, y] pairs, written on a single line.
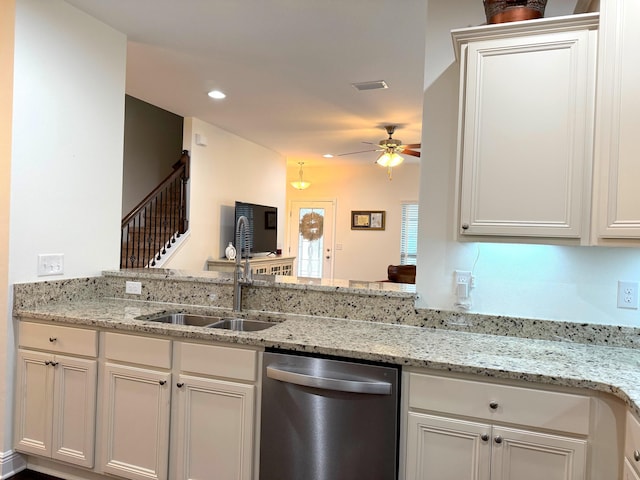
{"points": [[327, 419]]}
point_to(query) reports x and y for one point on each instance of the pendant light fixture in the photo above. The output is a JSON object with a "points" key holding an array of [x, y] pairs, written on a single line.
{"points": [[300, 184]]}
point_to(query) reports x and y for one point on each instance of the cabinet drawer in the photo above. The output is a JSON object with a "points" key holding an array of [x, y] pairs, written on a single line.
{"points": [[524, 406], [59, 339], [632, 440], [214, 360], [154, 352]]}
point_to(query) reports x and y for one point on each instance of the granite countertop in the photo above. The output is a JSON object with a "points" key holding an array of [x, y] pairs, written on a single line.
{"points": [[607, 369]]}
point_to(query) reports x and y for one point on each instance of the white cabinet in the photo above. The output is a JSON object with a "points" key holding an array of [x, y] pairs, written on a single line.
{"points": [[215, 412], [466, 430], [136, 406], [56, 392], [618, 122], [629, 471], [632, 447], [527, 94], [177, 410], [278, 265]]}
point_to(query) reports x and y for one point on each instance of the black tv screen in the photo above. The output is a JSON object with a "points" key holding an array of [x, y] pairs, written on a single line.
{"points": [[263, 227]]}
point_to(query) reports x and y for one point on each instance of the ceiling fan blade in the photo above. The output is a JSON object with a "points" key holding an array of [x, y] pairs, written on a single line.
{"points": [[412, 145], [353, 153], [413, 153]]}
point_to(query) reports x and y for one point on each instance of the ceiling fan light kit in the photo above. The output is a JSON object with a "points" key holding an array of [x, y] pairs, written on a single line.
{"points": [[300, 184], [391, 149]]}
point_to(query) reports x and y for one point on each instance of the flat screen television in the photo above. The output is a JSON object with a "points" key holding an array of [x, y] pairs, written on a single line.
{"points": [[263, 228]]}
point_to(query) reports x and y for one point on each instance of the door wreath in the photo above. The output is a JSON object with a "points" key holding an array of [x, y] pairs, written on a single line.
{"points": [[311, 226]]}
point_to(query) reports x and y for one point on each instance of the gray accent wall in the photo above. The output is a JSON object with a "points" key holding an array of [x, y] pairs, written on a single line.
{"points": [[152, 144]]}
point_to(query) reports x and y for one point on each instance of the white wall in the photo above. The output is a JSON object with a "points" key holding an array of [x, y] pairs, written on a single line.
{"points": [[534, 281], [61, 149], [365, 255], [227, 169], [68, 123]]}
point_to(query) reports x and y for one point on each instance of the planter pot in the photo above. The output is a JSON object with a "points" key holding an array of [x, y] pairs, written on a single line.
{"points": [[500, 11]]}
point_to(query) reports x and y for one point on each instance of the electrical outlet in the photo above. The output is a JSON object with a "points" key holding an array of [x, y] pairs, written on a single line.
{"points": [[134, 288], [464, 282], [628, 295], [50, 264]]}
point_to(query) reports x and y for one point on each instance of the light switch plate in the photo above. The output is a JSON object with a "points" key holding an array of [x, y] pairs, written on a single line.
{"points": [[50, 264]]}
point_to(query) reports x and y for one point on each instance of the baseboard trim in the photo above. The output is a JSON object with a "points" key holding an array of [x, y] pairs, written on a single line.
{"points": [[11, 462]]}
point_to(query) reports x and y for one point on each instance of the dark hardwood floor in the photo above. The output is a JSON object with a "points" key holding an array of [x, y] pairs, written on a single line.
{"points": [[30, 475]]}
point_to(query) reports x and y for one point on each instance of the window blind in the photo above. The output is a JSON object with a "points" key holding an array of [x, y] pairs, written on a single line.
{"points": [[409, 234]]}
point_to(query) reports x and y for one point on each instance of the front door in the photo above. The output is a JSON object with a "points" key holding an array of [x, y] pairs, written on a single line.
{"points": [[311, 238]]}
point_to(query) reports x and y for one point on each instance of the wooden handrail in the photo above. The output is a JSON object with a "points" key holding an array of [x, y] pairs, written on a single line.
{"points": [[184, 160]]}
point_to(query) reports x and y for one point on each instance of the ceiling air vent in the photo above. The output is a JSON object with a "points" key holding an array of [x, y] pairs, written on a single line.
{"points": [[370, 85]]}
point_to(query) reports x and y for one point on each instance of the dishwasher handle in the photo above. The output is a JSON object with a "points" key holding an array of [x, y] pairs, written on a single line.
{"points": [[325, 383]]}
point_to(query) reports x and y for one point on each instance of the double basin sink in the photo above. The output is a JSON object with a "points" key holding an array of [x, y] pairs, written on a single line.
{"points": [[236, 324]]}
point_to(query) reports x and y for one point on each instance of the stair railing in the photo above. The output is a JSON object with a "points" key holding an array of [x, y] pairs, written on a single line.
{"points": [[157, 221]]}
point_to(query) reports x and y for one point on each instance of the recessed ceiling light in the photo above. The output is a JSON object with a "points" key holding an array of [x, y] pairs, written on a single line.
{"points": [[217, 94], [327, 155]]}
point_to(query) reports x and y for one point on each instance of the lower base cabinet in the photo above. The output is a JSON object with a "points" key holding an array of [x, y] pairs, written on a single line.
{"points": [[136, 422], [55, 406], [445, 448], [466, 430], [214, 436], [214, 412]]}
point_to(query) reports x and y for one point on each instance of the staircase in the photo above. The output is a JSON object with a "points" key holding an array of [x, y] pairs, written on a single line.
{"points": [[152, 227]]}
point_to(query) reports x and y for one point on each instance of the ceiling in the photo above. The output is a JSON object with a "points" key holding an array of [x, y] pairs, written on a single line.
{"points": [[287, 67]]}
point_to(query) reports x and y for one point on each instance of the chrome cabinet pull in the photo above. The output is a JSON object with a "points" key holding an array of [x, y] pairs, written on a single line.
{"points": [[180, 384], [162, 382], [47, 362], [493, 405], [465, 226], [498, 439], [52, 339], [484, 437], [636, 455], [53, 364]]}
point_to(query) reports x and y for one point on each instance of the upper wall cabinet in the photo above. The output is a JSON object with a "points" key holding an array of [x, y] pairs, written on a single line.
{"points": [[525, 139], [617, 148]]}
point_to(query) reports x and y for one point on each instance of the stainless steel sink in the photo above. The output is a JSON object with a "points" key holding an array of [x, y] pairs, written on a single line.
{"points": [[242, 324], [183, 319], [237, 324]]}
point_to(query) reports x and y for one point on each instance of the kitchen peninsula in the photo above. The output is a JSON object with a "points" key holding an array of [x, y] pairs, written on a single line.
{"points": [[364, 321]]}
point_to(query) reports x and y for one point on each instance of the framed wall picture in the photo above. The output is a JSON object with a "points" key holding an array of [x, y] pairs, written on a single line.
{"points": [[367, 219]]}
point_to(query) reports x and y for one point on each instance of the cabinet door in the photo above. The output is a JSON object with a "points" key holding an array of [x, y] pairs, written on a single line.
{"points": [[214, 429], [523, 455], [526, 147], [617, 140], [629, 471], [33, 413], [74, 410], [135, 422], [440, 448]]}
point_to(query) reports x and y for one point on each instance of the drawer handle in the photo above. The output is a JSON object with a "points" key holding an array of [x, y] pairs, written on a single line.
{"points": [[493, 405], [53, 364], [636, 455], [484, 437], [162, 382], [498, 439], [52, 339], [180, 385], [47, 362]]}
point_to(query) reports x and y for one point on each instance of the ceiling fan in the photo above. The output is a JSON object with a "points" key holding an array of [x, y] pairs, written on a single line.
{"points": [[391, 149]]}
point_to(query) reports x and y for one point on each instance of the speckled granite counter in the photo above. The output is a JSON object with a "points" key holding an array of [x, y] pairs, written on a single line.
{"points": [[607, 369]]}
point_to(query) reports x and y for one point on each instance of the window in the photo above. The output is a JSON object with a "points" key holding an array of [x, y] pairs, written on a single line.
{"points": [[409, 234]]}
